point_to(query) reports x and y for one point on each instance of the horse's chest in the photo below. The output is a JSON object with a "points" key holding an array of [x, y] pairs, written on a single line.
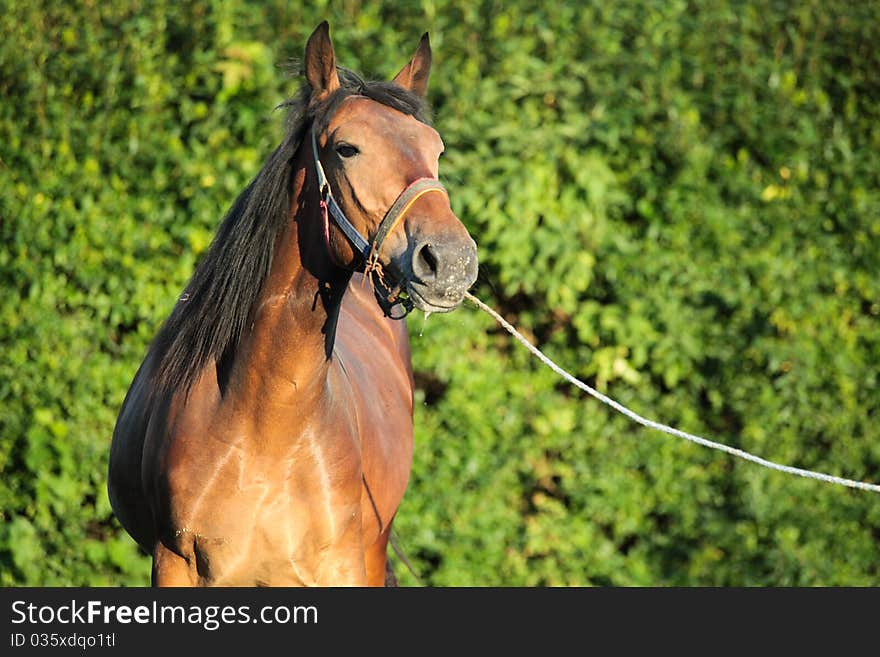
{"points": [[268, 520], [263, 539], [253, 506]]}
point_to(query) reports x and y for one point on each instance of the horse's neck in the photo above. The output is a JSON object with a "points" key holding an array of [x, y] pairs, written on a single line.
{"points": [[288, 349]]}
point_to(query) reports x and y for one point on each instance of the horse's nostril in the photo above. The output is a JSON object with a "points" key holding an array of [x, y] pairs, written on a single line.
{"points": [[426, 262]]}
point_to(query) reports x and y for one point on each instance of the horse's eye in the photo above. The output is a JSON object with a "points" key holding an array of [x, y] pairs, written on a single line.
{"points": [[347, 150]]}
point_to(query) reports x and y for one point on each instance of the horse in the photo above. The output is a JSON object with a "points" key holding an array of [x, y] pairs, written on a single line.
{"points": [[267, 437]]}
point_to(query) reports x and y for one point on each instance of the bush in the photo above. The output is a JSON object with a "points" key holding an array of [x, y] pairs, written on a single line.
{"points": [[678, 201]]}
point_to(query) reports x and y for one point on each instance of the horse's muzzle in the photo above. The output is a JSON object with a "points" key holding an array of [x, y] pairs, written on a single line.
{"points": [[442, 271]]}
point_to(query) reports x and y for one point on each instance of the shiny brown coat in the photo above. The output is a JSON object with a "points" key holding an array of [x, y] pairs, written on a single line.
{"points": [[281, 457]]}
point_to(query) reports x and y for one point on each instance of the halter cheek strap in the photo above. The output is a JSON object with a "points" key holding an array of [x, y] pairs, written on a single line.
{"points": [[368, 251], [328, 203]]}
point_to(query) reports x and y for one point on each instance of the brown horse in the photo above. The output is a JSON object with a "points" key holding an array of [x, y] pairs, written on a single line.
{"points": [[267, 437]]}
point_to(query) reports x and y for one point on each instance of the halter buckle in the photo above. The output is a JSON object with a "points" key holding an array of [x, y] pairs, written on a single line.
{"points": [[395, 304]]}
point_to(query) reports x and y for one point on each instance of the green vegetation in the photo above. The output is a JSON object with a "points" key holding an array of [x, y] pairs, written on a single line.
{"points": [[678, 201]]}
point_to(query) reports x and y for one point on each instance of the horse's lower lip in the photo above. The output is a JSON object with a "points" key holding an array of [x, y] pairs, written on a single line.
{"points": [[427, 306]]}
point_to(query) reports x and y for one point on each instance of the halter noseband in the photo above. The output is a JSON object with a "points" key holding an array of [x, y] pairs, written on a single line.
{"points": [[388, 297]]}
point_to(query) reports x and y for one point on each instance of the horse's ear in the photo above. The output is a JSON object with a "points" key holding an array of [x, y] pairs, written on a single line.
{"points": [[321, 64], [414, 76]]}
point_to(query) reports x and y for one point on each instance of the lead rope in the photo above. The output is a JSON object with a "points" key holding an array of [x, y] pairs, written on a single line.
{"points": [[831, 479]]}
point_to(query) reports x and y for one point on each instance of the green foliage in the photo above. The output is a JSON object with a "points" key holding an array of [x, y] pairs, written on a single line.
{"points": [[680, 202]]}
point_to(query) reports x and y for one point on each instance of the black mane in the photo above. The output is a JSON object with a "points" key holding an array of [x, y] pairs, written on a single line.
{"points": [[211, 315]]}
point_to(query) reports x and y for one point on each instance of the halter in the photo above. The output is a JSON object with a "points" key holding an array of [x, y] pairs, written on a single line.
{"points": [[388, 297]]}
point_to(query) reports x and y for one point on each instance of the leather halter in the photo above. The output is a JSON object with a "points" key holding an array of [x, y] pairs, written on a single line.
{"points": [[387, 296]]}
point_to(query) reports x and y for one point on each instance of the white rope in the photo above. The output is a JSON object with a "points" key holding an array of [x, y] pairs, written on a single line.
{"points": [[662, 427]]}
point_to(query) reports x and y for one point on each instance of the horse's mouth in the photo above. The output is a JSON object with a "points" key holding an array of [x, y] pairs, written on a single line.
{"points": [[443, 305]]}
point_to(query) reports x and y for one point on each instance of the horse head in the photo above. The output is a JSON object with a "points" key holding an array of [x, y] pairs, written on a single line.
{"points": [[379, 167]]}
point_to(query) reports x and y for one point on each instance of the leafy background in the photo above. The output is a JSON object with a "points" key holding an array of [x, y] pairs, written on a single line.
{"points": [[679, 201]]}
